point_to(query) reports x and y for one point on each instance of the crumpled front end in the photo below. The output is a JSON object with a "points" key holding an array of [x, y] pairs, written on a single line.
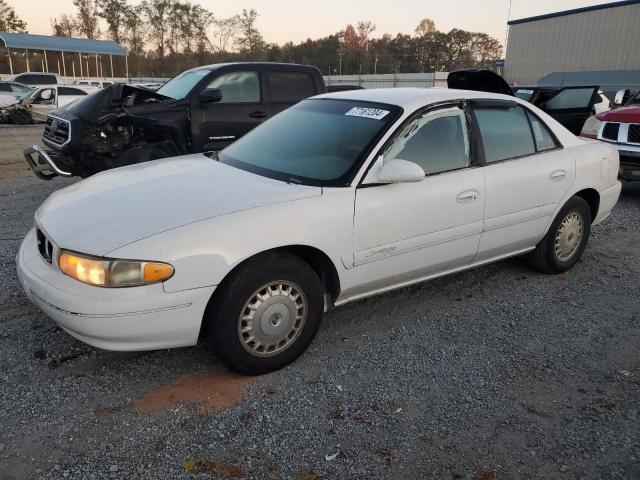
{"points": [[116, 126]]}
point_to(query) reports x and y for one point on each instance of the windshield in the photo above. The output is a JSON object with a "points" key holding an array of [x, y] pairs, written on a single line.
{"points": [[635, 100], [318, 142], [180, 86]]}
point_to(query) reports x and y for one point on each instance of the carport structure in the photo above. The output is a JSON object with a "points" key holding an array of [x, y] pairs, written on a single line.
{"points": [[54, 48]]}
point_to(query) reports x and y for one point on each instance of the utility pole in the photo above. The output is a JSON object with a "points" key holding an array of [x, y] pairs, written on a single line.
{"points": [[375, 65]]}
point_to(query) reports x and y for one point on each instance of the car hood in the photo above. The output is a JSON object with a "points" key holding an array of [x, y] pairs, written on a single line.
{"points": [[7, 100], [630, 114], [117, 207]]}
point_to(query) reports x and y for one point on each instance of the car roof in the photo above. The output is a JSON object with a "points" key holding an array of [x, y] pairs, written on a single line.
{"points": [[411, 98]]}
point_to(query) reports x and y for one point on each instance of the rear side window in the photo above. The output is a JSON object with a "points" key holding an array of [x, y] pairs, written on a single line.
{"points": [[541, 134], [570, 98], [238, 87], [35, 79], [505, 133], [291, 86], [70, 91]]}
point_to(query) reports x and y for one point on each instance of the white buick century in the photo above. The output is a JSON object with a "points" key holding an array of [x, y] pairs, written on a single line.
{"points": [[343, 196]]}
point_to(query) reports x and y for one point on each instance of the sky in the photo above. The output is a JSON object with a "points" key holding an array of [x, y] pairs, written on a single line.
{"points": [[296, 20]]}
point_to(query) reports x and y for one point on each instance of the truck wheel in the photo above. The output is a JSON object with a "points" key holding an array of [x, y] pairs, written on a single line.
{"points": [[564, 243], [265, 314]]}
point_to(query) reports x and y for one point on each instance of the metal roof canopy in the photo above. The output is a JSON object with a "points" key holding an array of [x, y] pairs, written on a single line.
{"points": [[573, 11], [61, 44]]}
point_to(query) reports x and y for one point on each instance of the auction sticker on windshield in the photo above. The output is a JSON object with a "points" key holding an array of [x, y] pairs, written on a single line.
{"points": [[373, 113]]}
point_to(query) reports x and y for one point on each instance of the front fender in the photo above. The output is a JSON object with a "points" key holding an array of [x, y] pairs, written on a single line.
{"points": [[204, 253]]}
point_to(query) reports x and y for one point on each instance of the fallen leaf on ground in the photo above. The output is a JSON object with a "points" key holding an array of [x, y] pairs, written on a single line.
{"points": [[387, 457], [484, 475], [214, 467], [309, 475], [336, 414]]}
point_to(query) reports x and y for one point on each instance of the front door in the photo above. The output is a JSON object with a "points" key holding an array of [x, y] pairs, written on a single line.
{"points": [[527, 174], [43, 104], [216, 125], [409, 231], [571, 106]]}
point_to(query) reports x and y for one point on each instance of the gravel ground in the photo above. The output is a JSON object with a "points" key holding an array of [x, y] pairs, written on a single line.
{"points": [[496, 373]]}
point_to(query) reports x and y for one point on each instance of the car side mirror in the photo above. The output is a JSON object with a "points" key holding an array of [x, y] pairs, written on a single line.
{"points": [[619, 98], [395, 171], [210, 95]]}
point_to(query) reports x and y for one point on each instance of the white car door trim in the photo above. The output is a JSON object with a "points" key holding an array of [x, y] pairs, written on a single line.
{"points": [[416, 243]]}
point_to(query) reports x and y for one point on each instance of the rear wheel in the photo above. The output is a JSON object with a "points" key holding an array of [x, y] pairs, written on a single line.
{"points": [[564, 243], [265, 314]]}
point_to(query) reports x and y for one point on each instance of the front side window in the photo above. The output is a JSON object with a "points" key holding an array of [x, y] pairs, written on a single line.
{"points": [[316, 142], [505, 132], [238, 87], [291, 86], [437, 141], [46, 97]]}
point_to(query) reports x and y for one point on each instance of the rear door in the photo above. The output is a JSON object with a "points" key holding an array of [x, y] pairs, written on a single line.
{"points": [[527, 174], [571, 106], [288, 87], [242, 108]]}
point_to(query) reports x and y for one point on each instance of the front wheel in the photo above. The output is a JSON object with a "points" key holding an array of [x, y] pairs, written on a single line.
{"points": [[564, 243], [265, 314]]}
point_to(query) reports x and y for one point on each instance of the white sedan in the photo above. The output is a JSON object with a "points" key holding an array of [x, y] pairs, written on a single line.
{"points": [[343, 196]]}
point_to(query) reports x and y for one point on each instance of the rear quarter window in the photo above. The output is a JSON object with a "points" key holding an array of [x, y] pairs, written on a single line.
{"points": [[291, 86]]}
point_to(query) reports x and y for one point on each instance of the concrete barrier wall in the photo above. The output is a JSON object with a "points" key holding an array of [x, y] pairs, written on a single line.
{"points": [[391, 80]]}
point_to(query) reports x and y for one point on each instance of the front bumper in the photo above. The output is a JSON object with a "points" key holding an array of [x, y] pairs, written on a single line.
{"points": [[136, 318], [45, 164], [629, 160]]}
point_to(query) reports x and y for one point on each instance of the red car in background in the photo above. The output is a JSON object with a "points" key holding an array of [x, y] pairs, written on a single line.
{"points": [[621, 128]]}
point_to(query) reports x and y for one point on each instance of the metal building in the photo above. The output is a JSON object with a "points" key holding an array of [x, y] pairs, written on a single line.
{"points": [[601, 37]]}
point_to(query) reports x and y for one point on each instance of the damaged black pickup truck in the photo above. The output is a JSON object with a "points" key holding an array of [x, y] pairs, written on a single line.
{"points": [[200, 110]]}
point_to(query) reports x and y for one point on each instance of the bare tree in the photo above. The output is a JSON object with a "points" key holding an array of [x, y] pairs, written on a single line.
{"points": [[66, 27], [88, 18], [157, 13], [226, 32], [113, 12], [250, 40], [9, 21]]}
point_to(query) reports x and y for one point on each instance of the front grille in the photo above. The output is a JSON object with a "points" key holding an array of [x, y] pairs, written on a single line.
{"points": [[634, 133], [45, 247], [56, 131], [610, 131]]}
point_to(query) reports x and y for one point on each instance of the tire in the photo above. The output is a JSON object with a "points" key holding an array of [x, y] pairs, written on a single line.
{"points": [[264, 300], [564, 243]]}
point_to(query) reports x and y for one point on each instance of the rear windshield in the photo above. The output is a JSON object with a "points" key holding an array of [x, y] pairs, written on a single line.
{"points": [[317, 142]]}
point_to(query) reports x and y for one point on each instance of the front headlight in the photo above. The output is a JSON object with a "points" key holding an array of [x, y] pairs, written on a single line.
{"points": [[591, 127], [109, 272]]}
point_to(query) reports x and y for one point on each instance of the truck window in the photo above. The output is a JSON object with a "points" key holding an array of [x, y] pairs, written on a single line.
{"points": [[70, 91], [291, 86], [238, 87]]}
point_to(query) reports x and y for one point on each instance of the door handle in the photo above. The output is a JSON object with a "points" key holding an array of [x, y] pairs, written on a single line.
{"points": [[258, 114], [467, 196], [558, 175]]}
